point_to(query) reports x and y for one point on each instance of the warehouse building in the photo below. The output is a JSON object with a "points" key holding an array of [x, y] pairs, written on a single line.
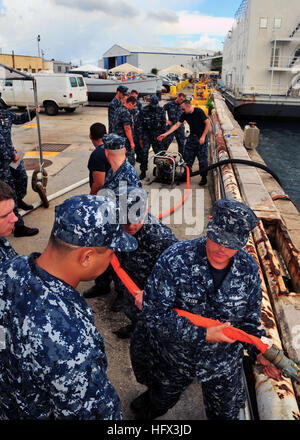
{"points": [[147, 58]]}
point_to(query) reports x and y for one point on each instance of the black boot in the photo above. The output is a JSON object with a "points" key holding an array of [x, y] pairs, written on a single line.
{"points": [[143, 175], [203, 181], [150, 412], [95, 291], [24, 231], [140, 401], [24, 206], [124, 332]]}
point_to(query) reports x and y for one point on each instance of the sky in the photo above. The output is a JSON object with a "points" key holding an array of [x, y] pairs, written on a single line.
{"points": [[81, 31]]}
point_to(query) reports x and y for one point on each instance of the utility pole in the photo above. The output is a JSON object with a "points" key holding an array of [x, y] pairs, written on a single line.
{"points": [[38, 41], [13, 58]]}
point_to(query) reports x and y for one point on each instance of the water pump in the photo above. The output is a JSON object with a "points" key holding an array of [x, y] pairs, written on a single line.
{"points": [[169, 166]]}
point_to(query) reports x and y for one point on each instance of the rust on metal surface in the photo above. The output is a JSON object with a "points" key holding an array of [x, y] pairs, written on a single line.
{"points": [[289, 253], [269, 261], [296, 416]]}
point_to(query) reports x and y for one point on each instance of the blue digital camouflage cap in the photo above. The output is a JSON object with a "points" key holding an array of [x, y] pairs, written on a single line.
{"points": [[154, 101], [122, 89], [231, 224], [132, 203], [91, 221], [113, 141]]}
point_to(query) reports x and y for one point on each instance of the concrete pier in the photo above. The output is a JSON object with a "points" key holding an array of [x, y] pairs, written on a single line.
{"points": [[257, 189]]}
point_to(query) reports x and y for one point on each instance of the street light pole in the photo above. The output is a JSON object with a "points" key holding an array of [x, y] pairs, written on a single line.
{"points": [[38, 40]]}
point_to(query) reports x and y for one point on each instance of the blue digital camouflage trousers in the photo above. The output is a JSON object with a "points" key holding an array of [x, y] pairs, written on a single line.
{"points": [[130, 154], [157, 146], [17, 179], [194, 150], [167, 379]]}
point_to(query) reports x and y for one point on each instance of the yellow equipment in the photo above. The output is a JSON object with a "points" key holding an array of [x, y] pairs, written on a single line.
{"points": [[201, 95]]}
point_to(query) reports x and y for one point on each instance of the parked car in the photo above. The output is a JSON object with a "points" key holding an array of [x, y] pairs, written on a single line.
{"points": [[56, 91], [167, 83]]}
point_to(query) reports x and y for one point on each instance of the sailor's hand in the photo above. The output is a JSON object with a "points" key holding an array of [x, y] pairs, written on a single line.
{"points": [[132, 146], [169, 123], [37, 109], [17, 157], [269, 369], [215, 333], [202, 140], [139, 299], [161, 137]]}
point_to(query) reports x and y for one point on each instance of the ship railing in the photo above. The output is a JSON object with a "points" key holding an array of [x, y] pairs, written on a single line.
{"points": [[285, 62], [256, 90]]}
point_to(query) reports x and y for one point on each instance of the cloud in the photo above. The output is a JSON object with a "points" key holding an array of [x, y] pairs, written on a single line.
{"points": [[193, 23], [114, 8], [204, 42], [163, 15], [73, 31]]}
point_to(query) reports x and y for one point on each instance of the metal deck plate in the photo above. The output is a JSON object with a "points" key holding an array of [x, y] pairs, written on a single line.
{"points": [[54, 147]]}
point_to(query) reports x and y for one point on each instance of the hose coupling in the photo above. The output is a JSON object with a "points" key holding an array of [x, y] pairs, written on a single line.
{"points": [[288, 367]]}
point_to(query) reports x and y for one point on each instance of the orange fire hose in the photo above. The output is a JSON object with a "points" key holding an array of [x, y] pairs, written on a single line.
{"points": [[199, 321], [160, 216]]}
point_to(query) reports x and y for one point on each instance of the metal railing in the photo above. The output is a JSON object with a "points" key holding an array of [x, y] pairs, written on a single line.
{"points": [[286, 62]]}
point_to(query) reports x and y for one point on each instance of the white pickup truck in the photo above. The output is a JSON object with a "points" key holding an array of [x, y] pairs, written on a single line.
{"points": [[56, 91]]}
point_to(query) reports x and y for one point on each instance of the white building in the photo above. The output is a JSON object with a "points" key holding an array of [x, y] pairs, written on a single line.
{"points": [[261, 55], [147, 58]]}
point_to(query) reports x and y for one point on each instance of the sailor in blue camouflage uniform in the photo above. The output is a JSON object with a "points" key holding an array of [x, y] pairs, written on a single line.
{"points": [[135, 113], [174, 111], [214, 277], [153, 238], [152, 122], [121, 170], [197, 142], [52, 357], [122, 173], [16, 178], [7, 222], [123, 125], [114, 104]]}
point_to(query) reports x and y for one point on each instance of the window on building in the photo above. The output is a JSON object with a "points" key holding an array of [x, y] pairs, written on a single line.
{"points": [[277, 23], [263, 23], [73, 81], [59, 68], [275, 57]]}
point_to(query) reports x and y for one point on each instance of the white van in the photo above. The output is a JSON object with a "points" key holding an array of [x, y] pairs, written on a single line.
{"points": [[56, 91]]}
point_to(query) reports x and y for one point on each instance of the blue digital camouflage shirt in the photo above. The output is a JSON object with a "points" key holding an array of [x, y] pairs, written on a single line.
{"points": [[7, 252], [52, 357], [112, 107], [181, 279], [173, 110], [126, 173], [153, 239], [122, 117], [7, 119], [152, 121]]}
